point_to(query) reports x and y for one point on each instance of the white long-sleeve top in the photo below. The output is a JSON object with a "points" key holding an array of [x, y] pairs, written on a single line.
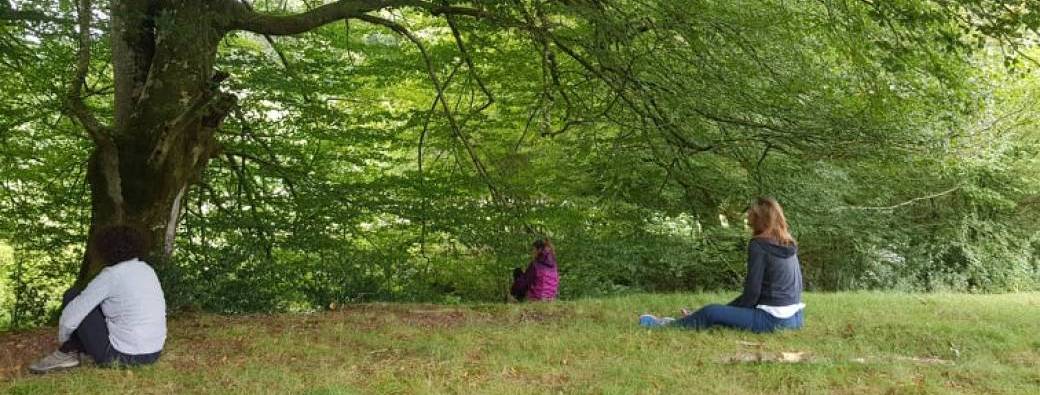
{"points": [[132, 302]]}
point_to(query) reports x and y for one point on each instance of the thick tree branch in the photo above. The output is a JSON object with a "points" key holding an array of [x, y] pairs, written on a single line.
{"points": [[270, 41], [106, 153], [197, 107], [241, 17], [210, 107]]}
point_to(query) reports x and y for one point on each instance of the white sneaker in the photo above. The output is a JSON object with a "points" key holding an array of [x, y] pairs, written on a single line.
{"points": [[58, 360], [651, 321]]}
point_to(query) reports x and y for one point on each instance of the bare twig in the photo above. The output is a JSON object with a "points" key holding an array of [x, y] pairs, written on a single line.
{"points": [[456, 130], [898, 205], [421, 154], [270, 41], [74, 105], [469, 64]]}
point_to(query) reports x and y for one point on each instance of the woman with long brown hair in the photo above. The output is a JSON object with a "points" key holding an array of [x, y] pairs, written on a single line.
{"points": [[772, 297]]}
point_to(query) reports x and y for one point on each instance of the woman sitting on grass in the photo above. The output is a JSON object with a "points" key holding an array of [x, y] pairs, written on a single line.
{"points": [[120, 317], [772, 297], [540, 280]]}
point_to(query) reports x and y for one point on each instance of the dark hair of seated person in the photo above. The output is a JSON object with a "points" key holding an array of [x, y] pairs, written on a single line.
{"points": [[120, 243]]}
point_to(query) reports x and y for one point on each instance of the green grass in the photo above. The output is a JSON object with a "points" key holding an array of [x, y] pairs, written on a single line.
{"points": [[855, 343]]}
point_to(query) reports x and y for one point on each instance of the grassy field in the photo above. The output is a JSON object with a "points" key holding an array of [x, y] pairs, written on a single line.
{"points": [[853, 343]]}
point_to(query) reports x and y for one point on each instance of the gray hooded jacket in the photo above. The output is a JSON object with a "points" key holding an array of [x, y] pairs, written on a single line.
{"points": [[774, 276]]}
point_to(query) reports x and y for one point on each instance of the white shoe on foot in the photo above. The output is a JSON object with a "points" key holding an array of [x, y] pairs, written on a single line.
{"points": [[58, 360], [651, 321]]}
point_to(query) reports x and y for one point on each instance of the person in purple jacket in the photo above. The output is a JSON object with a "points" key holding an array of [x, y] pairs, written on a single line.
{"points": [[540, 280]]}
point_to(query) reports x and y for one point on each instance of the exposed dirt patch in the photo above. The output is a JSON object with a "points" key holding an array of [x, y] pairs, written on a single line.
{"points": [[19, 349], [194, 350], [201, 341], [422, 316], [544, 315], [433, 318]]}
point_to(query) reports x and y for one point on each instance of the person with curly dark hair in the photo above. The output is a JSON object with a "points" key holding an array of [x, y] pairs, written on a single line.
{"points": [[120, 316]]}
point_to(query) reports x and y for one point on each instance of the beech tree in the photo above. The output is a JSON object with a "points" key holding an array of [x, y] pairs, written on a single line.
{"points": [[463, 125], [168, 102]]}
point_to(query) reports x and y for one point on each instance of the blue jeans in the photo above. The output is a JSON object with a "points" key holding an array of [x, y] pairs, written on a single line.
{"points": [[752, 319]]}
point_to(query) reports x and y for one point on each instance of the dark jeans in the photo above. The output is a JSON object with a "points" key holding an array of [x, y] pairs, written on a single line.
{"points": [[752, 319], [91, 337]]}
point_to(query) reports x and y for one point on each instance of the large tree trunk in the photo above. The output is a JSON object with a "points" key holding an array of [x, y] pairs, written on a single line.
{"points": [[167, 108], [167, 104]]}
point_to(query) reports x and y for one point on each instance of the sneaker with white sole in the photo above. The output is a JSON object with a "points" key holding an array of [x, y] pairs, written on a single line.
{"points": [[58, 360], [651, 321]]}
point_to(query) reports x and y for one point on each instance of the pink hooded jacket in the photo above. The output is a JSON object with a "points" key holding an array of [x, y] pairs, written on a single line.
{"points": [[542, 277]]}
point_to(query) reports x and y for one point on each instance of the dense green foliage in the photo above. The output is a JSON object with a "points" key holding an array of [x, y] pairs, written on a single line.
{"points": [[634, 136], [858, 342]]}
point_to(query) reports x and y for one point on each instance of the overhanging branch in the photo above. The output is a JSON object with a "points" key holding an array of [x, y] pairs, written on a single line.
{"points": [[469, 64], [7, 13], [898, 205], [456, 129], [270, 41], [241, 17]]}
